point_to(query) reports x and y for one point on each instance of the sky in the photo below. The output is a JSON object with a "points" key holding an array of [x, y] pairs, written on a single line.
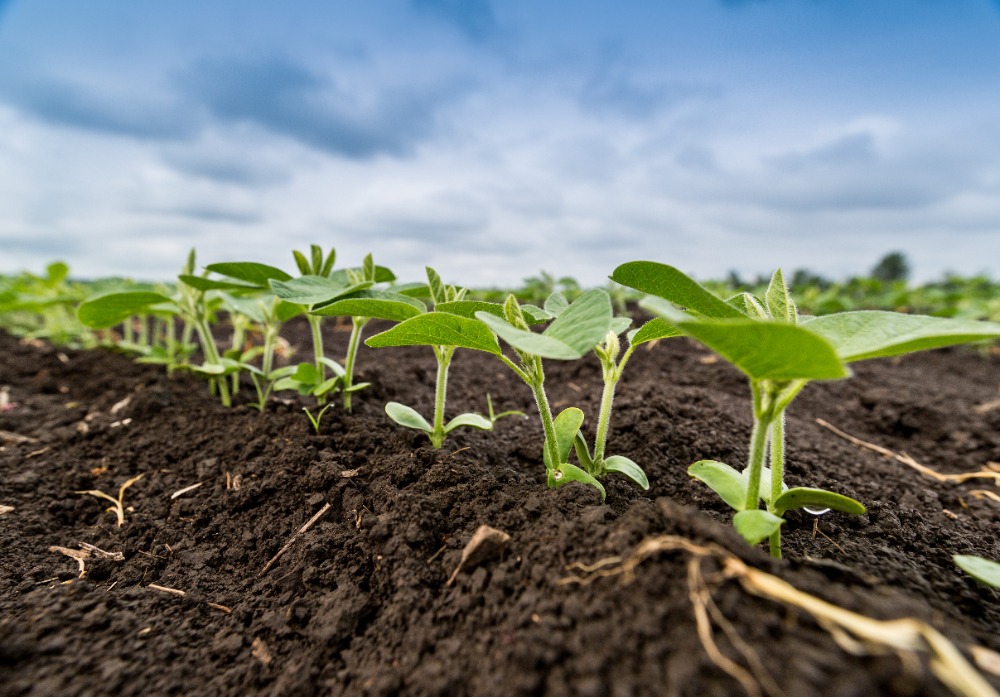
{"points": [[492, 139]]}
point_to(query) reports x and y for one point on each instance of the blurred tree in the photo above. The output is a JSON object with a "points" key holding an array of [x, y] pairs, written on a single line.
{"points": [[892, 267]]}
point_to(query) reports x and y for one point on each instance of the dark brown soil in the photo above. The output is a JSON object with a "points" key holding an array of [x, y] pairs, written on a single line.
{"points": [[360, 605]]}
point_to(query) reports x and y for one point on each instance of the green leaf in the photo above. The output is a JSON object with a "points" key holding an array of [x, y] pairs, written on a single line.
{"points": [[756, 526], [381, 304], [110, 309], [438, 329], [800, 497], [249, 272], [382, 275], [313, 290], [436, 286], [769, 350], [471, 420], [779, 302], [316, 255], [567, 472], [764, 492], [556, 303], [754, 307], [357, 387], [671, 284], [327, 386], [205, 284], [656, 328], [574, 333], [983, 570], [730, 484], [567, 425], [664, 308], [625, 466], [877, 334], [620, 324], [583, 452], [302, 263], [407, 416], [469, 308]]}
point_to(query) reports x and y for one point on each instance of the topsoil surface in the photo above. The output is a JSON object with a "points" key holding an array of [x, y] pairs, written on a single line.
{"points": [[363, 602]]}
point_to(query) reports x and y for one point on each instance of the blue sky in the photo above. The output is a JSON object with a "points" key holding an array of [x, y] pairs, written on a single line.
{"points": [[495, 138]]}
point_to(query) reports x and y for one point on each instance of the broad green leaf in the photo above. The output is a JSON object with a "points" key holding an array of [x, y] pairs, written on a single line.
{"points": [[800, 497], [730, 484], [56, 272], [313, 290], [382, 275], [381, 304], [620, 324], [584, 324], [769, 350], [530, 342], [567, 472], [252, 308], [306, 373], [664, 308], [287, 310], [469, 308], [625, 466], [407, 416], [567, 426], [983, 570], [249, 272], [471, 420], [438, 329], [205, 284], [656, 328], [671, 284], [756, 526], [108, 310], [556, 303], [412, 290], [574, 333], [779, 302], [877, 334]]}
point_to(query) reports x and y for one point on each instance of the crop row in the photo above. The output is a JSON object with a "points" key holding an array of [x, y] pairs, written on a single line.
{"points": [[763, 335]]}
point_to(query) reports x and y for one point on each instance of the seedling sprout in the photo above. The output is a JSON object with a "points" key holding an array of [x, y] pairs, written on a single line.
{"points": [[443, 333], [118, 505]]}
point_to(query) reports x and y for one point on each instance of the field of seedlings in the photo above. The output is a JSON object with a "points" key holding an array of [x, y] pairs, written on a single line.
{"points": [[318, 479]]}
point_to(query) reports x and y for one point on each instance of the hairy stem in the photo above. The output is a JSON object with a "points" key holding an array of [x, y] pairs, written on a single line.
{"points": [[357, 324], [777, 475], [758, 448], [443, 355]]}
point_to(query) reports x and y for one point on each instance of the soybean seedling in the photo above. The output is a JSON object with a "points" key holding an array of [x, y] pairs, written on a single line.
{"points": [[190, 302], [781, 353], [443, 334], [321, 292], [576, 329], [118, 505]]}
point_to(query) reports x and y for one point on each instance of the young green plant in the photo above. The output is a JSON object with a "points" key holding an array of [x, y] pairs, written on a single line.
{"points": [[576, 328], [190, 302], [444, 334], [781, 353], [321, 289], [983, 570]]}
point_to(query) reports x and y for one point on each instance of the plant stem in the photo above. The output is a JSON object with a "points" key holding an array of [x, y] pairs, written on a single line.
{"points": [[212, 358], [758, 447], [777, 475], [317, 338], [357, 324], [604, 417], [443, 355], [537, 384]]}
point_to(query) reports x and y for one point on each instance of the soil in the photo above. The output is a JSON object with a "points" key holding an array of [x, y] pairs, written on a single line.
{"points": [[360, 603]]}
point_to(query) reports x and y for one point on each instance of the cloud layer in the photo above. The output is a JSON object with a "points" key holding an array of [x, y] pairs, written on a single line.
{"points": [[494, 140]]}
